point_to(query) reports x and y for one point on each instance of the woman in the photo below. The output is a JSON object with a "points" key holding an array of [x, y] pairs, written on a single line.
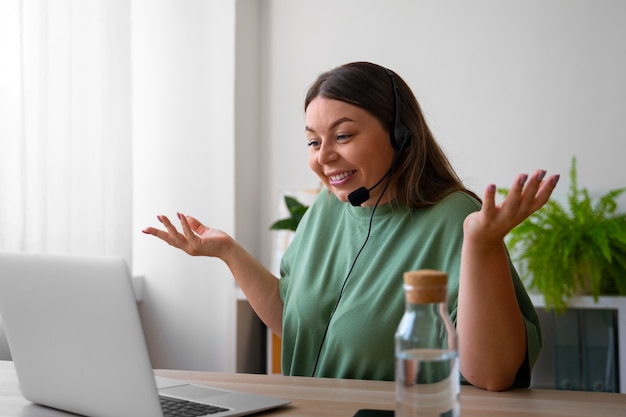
{"points": [[394, 204]]}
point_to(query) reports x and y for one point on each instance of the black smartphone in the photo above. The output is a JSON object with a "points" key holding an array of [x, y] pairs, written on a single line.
{"points": [[369, 412]]}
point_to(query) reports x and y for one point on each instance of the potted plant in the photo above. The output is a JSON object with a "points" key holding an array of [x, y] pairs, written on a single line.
{"points": [[296, 211], [576, 250], [296, 203]]}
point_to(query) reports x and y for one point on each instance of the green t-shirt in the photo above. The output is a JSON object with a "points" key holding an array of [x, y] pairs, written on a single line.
{"points": [[360, 336]]}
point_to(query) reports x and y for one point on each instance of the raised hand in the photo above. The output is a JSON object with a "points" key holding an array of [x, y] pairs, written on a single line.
{"points": [[494, 221], [195, 239]]}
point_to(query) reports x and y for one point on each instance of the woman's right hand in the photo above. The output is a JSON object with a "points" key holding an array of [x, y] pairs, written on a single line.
{"points": [[259, 284], [195, 239]]}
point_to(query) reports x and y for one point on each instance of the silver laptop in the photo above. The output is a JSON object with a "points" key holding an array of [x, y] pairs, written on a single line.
{"points": [[77, 343]]}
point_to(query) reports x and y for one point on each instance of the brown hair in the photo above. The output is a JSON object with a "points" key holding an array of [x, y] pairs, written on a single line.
{"points": [[422, 175]]}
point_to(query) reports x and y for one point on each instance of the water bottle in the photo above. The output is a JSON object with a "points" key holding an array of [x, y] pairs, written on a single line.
{"points": [[427, 360]]}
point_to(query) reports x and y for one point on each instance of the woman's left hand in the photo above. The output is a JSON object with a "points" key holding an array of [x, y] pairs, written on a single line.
{"points": [[490, 325], [527, 194]]}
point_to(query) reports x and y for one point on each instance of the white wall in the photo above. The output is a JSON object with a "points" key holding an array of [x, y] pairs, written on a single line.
{"points": [[184, 160], [507, 87]]}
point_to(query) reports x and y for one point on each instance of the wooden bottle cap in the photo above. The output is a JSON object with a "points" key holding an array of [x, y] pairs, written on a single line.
{"points": [[426, 286]]}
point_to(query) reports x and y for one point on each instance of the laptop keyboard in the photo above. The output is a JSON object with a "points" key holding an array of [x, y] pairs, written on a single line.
{"points": [[174, 407]]}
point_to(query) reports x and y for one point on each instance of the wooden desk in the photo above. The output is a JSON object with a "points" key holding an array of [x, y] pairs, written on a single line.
{"points": [[316, 397]]}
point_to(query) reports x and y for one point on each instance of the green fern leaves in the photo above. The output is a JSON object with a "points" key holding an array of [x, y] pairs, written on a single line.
{"points": [[579, 250]]}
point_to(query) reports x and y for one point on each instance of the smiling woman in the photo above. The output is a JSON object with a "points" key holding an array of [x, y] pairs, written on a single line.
{"points": [[348, 148], [340, 277], [65, 169]]}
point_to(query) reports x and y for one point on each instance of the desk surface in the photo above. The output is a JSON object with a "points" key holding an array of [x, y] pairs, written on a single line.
{"points": [[341, 398]]}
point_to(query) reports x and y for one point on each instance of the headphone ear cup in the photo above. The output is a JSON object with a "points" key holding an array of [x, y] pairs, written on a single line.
{"points": [[401, 136]]}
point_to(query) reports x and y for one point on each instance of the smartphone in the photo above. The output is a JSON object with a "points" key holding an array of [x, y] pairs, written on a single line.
{"points": [[369, 412]]}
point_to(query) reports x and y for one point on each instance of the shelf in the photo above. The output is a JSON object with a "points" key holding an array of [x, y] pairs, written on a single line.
{"points": [[616, 303]]}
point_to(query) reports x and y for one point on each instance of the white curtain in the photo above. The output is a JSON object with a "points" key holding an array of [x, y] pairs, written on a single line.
{"points": [[65, 126]]}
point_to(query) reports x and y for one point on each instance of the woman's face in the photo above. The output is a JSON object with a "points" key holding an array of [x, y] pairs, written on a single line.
{"points": [[348, 148]]}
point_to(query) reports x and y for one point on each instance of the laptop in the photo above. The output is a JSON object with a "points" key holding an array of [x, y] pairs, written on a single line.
{"points": [[75, 335]]}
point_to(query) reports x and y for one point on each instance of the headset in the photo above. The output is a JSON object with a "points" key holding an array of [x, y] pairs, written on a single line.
{"points": [[399, 135]]}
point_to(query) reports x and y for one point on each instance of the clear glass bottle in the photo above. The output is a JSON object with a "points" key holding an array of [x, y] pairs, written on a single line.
{"points": [[427, 360]]}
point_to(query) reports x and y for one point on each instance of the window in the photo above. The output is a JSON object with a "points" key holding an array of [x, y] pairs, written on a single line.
{"points": [[65, 127]]}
